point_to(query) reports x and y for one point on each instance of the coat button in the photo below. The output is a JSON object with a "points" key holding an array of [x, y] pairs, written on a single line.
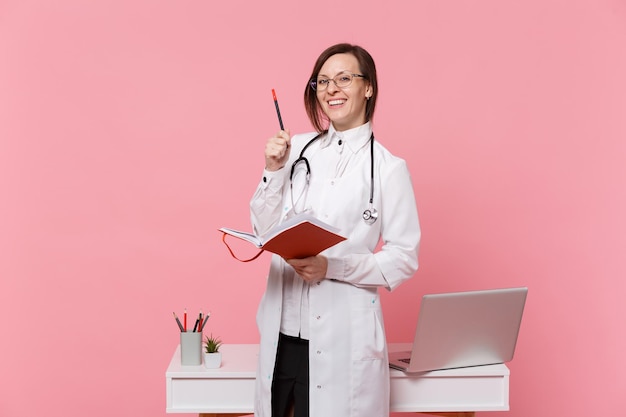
{"points": [[319, 352], [318, 317], [319, 387]]}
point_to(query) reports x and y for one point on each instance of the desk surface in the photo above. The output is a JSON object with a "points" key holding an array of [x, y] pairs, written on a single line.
{"points": [[230, 388]]}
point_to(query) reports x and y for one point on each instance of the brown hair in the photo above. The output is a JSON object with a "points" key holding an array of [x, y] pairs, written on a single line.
{"points": [[366, 66]]}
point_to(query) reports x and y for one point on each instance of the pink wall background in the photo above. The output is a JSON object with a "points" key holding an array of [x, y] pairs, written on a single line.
{"points": [[131, 130]]}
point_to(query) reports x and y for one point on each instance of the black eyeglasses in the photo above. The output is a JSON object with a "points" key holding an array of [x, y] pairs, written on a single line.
{"points": [[342, 80]]}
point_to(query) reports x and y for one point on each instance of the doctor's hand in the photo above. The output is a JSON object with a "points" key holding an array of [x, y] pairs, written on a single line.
{"points": [[312, 269], [277, 150]]}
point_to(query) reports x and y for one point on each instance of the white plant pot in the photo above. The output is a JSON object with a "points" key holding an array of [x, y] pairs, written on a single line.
{"points": [[212, 360]]}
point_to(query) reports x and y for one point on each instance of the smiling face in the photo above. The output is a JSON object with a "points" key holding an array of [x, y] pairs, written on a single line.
{"points": [[345, 107]]}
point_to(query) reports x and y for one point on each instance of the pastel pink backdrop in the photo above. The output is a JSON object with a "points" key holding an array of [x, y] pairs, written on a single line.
{"points": [[131, 130]]}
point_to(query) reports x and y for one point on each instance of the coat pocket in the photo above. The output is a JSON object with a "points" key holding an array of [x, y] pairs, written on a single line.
{"points": [[368, 334]]}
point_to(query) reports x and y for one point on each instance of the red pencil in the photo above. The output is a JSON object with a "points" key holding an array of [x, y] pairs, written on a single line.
{"points": [[280, 119], [185, 320]]}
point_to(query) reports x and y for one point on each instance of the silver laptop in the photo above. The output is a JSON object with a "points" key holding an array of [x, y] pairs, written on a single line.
{"points": [[462, 329]]}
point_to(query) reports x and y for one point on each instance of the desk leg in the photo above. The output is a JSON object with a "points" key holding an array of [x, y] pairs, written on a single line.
{"points": [[451, 414], [222, 415]]}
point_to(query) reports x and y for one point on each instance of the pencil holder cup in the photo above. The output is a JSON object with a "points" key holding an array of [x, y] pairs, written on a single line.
{"points": [[191, 348]]}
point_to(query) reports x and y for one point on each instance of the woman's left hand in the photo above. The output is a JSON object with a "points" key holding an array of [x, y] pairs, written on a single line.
{"points": [[312, 269]]}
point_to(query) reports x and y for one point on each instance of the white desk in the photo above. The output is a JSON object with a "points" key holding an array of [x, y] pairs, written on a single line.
{"points": [[229, 390]]}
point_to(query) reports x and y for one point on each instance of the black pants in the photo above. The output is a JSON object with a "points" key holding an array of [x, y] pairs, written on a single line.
{"points": [[291, 377]]}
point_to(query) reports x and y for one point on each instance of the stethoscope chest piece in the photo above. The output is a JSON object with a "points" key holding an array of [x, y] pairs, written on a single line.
{"points": [[370, 215]]}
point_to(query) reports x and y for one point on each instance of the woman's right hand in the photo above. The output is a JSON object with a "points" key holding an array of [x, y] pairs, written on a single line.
{"points": [[277, 150]]}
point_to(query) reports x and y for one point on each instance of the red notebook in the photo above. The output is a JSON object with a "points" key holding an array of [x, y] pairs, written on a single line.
{"points": [[299, 237]]}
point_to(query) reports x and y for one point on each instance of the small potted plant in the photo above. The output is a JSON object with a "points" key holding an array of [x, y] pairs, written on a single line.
{"points": [[212, 354]]}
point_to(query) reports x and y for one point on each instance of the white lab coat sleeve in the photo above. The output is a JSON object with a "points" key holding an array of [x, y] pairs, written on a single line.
{"points": [[400, 230], [266, 202]]}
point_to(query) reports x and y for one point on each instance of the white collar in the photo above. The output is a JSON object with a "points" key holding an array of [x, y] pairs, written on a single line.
{"points": [[354, 138]]}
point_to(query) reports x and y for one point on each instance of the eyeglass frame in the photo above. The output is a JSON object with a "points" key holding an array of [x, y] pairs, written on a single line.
{"points": [[313, 81]]}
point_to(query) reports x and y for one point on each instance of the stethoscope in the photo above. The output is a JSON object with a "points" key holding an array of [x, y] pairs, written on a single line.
{"points": [[370, 214]]}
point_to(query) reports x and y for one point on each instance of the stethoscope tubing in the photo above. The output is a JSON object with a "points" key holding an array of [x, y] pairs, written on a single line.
{"points": [[370, 214]]}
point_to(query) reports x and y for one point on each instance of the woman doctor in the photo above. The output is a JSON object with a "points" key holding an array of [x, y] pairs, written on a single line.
{"points": [[323, 350]]}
